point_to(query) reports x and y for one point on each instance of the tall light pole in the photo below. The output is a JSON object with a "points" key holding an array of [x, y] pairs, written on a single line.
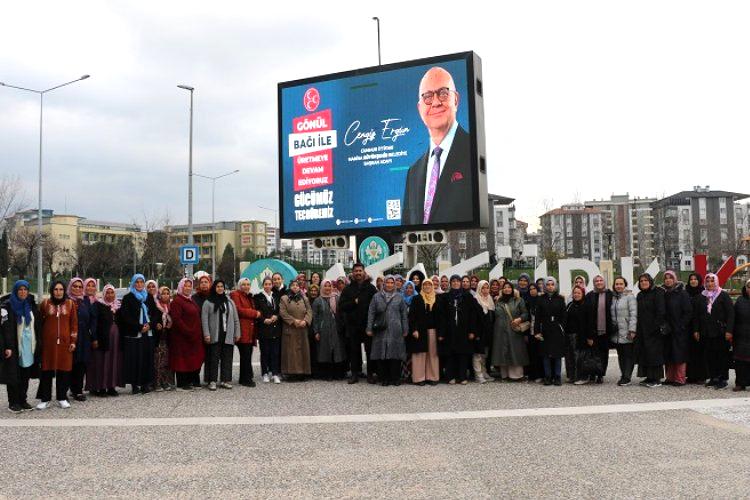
{"points": [[213, 217], [377, 20], [40, 261], [189, 267], [277, 233]]}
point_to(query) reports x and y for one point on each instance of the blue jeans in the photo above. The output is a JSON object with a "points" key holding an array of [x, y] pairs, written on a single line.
{"points": [[552, 364]]}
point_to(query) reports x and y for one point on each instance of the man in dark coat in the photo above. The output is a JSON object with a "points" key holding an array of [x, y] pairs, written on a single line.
{"points": [[649, 337], [354, 304], [439, 186], [679, 315], [600, 324]]}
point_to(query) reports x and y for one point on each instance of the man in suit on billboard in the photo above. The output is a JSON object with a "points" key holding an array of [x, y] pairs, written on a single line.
{"points": [[439, 184]]}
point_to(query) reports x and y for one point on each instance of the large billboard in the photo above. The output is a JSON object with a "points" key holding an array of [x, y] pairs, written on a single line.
{"points": [[397, 146]]}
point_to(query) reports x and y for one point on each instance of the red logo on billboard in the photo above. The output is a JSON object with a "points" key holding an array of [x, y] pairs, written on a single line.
{"points": [[311, 99]]}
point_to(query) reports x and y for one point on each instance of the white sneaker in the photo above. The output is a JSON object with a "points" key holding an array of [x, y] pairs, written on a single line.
{"points": [[63, 404], [266, 378], [581, 382], [43, 405], [225, 385], [480, 379], [276, 379], [212, 386]]}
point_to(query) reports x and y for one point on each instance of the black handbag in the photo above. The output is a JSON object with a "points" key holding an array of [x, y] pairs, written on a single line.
{"points": [[588, 363], [380, 323]]}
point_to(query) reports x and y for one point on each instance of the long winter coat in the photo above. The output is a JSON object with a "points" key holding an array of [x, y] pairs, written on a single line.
{"points": [[295, 345], [651, 321], [576, 323], [421, 319], [741, 339], [485, 330], [458, 321], [509, 346], [719, 321], [9, 333], [186, 351], [679, 316], [105, 318], [86, 329], [210, 322], [388, 343], [248, 315], [625, 316], [331, 348], [355, 305], [550, 318], [59, 324]]}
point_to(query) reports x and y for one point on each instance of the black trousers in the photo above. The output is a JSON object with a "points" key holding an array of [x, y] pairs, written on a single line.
{"points": [[246, 362], [458, 366], [355, 354], [270, 356], [570, 356], [742, 373], [185, 379], [17, 391], [602, 348], [61, 385], [219, 353], [716, 351], [77, 376], [626, 359], [389, 370]]}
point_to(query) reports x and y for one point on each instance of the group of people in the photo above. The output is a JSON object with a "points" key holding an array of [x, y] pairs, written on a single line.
{"points": [[450, 329]]}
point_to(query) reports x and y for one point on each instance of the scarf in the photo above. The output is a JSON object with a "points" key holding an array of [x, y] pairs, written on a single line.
{"points": [[140, 297], [52, 299], [181, 287], [554, 281], [428, 297], [115, 304], [674, 277], [711, 295], [21, 308], [486, 301], [295, 296], [333, 297], [164, 308], [219, 300], [92, 299], [156, 293], [695, 290], [409, 298], [388, 295], [78, 297]]}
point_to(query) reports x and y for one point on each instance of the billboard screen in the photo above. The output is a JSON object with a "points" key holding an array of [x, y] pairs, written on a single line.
{"points": [[397, 146]]}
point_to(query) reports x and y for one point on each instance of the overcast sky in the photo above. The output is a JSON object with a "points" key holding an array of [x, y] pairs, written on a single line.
{"points": [[583, 99]]}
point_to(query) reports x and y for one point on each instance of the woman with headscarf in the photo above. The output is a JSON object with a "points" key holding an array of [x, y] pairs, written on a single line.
{"points": [[164, 376], [186, 351], [269, 332], [421, 343], [696, 367], [458, 329], [649, 335], [83, 294], [296, 315], [248, 315], [105, 369], [474, 283], [313, 292], [576, 328], [436, 284], [330, 345], [713, 323], [444, 284], [509, 351], [417, 277], [408, 292], [20, 344], [59, 316], [625, 317], [388, 324], [549, 330], [534, 369], [741, 340], [136, 331], [221, 329], [466, 285], [202, 287], [341, 283], [485, 325], [679, 314], [157, 326]]}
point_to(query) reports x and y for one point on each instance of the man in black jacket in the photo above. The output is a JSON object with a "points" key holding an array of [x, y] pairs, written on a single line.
{"points": [[439, 185], [600, 325], [354, 304]]}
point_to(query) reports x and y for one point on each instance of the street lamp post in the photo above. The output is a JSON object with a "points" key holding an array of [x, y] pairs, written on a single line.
{"points": [[377, 20], [40, 261], [277, 233], [189, 267], [213, 217]]}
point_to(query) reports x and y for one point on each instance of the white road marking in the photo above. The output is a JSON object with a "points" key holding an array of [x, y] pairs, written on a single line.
{"points": [[699, 404]]}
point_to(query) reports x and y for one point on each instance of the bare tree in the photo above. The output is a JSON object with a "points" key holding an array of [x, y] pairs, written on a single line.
{"points": [[428, 255], [12, 196], [25, 242]]}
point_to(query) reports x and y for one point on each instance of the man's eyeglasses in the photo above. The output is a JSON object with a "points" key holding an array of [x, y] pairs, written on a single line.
{"points": [[442, 95]]}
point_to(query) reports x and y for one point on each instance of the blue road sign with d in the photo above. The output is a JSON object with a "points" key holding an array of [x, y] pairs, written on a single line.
{"points": [[189, 254]]}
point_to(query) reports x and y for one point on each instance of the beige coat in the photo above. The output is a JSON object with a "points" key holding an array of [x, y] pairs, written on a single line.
{"points": [[295, 346]]}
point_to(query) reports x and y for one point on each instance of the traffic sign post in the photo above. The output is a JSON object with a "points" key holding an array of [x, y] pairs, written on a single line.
{"points": [[189, 255]]}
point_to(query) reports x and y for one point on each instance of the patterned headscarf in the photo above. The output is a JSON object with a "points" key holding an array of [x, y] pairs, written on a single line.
{"points": [[711, 294]]}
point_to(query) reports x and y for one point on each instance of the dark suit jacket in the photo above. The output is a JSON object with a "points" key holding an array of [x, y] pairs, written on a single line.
{"points": [[453, 196]]}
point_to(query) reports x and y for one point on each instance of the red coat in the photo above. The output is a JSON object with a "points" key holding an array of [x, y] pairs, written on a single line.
{"points": [[186, 351], [248, 314]]}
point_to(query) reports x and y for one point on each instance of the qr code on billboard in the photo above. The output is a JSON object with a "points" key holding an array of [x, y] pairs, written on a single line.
{"points": [[393, 209]]}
